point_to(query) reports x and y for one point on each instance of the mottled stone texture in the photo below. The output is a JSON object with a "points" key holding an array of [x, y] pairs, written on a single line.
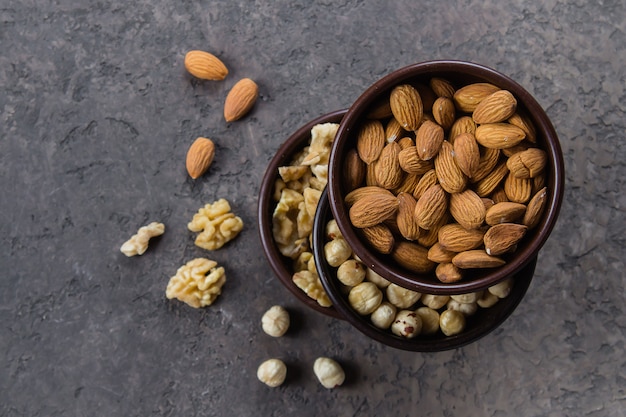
{"points": [[96, 114]]}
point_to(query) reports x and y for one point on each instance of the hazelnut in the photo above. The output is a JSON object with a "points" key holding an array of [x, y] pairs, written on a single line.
{"points": [[275, 321], [272, 372], [328, 372]]}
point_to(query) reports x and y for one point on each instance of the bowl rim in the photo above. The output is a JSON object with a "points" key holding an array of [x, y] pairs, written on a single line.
{"points": [[478, 73], [273, 255], [522, 282]]}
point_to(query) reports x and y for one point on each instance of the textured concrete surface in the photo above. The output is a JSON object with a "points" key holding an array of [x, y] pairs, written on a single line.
{"points": [[96, 114]]}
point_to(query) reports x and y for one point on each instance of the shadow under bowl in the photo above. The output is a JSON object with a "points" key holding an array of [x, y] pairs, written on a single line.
{"points": [[459, 73]]}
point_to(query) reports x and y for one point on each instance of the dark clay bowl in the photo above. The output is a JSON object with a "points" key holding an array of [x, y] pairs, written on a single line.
{"points": [[281, 265], [460, 74], [478, 325]]}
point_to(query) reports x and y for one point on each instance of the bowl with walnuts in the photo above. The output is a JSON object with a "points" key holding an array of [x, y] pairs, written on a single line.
{"points": [[290, 191], [445, 177]]}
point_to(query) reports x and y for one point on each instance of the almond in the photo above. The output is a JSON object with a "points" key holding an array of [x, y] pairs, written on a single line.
{"points": [[463, 124], [430, 237], [538, 183], [444, 112], [456, 238], [380, 110], [523, 122], [486, 186], [467, 153], [498, 195], [354, 170], [200, 156], [505, 212], [439, 254], [373, 209], [442, 87], [425, 182], [448, 272], [240, 99], [520, 147], [467, 209], [411, 163], [408, 184], [476, 258], [205, 66], [405, 219], [413, 257], [518, 190], [487, 202], [469, 96], [394, 130], [428, 139], [535, 209], [488, 160], [379, 237], [406, 106], [499, 135], [448, 172], [358, 193], [431, 207], [370, 174], [528, 163], [405, 142], [388, 172], [501, 238], [370, 141], [495, 108]]}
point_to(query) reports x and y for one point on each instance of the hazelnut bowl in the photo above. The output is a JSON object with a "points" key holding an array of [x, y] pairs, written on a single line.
{"points": [[402, 318], [446, 177], [285, 260]]}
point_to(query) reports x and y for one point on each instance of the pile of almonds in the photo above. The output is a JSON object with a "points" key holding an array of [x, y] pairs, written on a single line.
{"points": [[446, 179]]}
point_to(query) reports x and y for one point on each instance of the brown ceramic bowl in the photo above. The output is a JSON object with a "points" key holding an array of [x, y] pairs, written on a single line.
{"points": [[281, 265], [478, 325], [460, 74]]}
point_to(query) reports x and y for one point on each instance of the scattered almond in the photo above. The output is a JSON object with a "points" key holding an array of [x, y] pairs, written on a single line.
{"points": [[373, 209], [200, 157], [431, 207], [370, 141], [468, 97], [495, 108], [240, 99], [428, 139], [204, 65], [406, 106], [499, 135], [467, 209], [466, 153]]}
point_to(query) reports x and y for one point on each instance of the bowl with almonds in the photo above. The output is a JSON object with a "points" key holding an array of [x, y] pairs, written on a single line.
{"points": [[290, 190], [398, 316], [446, 177]]}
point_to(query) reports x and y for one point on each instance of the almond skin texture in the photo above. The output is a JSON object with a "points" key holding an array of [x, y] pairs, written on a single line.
{"points": [[406, 106], [521, 120], [467, 209], [499, 135], [240, 99], [488, 184], [431, 207], [205, 66], [441, 87], [199, 157], [358, 193], [466, 153], [354, 170], [488, 160], [535, 209], [495, 108], [527, 164], [477, 258], [456, 238], [505, 212], [468, 97], [448, 172], [373, 209], [439, 254], [388, 172], [444, 112], [425, 182], [411, 163], [394, 131], [463, 124], [407, 224], [413, 257], [428, 139], [501, 238], [448, 272], [379, 237], [518, 190], [370, 141]]}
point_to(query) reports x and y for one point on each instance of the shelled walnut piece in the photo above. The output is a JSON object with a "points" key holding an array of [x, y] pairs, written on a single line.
{"points": [[197, 283], [297, 192], [217, 225], [138, 243], [458, 156], [407, 313]]}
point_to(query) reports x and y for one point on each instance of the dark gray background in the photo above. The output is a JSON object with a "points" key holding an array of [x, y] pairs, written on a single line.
{"points": [[96, 115]]}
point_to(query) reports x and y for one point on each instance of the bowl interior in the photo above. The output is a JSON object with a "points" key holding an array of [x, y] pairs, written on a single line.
{"points": [[460, 74], [480, 324], [281, 265]]}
